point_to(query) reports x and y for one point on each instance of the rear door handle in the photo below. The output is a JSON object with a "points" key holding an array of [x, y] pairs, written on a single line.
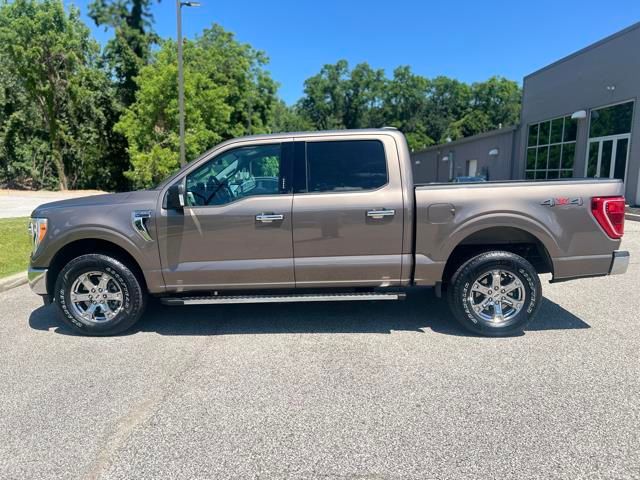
{"points": [[269, 217], [383, 212]]}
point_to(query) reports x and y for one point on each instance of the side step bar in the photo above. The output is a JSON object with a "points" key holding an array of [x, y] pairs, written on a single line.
{"points": [[296, 297]]}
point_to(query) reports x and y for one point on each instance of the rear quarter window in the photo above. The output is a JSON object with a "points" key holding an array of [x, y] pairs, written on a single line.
{"points": [[346, 166]]}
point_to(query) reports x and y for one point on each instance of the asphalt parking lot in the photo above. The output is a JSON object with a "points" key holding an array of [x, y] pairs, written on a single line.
{"points": [[362, 390]]}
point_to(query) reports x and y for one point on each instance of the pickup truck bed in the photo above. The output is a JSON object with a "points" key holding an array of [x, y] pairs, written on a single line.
{"points": [[553, 218]]}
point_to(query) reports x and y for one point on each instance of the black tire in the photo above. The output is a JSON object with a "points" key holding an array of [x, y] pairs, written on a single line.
{"points": [[465, 298], [133, 296]]}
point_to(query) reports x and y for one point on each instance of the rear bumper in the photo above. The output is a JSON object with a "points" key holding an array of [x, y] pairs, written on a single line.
{"points": [[38, 280], [572, 268], [619, 263]]}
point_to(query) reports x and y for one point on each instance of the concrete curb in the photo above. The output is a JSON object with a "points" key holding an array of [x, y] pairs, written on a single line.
{"points": [[632, 216], [13, 281]]}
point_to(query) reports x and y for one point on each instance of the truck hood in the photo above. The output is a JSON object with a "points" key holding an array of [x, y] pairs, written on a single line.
{"points": [[146, 199]]}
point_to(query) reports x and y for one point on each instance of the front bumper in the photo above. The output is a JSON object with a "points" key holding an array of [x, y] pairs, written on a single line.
{"points": [[619, 262], [38, 280]]}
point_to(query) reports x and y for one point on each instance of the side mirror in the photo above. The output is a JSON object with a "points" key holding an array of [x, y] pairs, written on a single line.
{"points": [[174, 199]]}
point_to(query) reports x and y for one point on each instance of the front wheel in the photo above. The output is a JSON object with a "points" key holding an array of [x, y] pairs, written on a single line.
{"points": [[98, 295], [495, 294]]}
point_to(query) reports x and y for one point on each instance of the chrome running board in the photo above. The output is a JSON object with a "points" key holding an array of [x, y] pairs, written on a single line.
{"points": [[296, 297]]}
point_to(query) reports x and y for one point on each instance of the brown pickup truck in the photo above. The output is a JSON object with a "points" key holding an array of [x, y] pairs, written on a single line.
{"points": [[323, 216]]}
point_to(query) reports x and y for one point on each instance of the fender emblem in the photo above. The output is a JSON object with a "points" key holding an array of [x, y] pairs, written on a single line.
{"points": [[562, 201]]}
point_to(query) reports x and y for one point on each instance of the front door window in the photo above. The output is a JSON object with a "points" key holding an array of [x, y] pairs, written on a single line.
{"points": [[239, 173]]}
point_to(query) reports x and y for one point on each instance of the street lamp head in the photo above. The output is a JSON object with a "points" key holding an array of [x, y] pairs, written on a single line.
{"points": [[190, 4]]}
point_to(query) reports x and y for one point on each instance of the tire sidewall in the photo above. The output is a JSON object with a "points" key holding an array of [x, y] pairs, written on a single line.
{"points": [[133, 298], [466, 275]]}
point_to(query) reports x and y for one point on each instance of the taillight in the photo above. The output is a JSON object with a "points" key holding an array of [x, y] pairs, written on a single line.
{"points": [[609, 212]]}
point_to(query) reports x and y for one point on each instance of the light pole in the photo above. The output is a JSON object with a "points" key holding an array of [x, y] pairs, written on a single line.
{"points": [[179, 5]]}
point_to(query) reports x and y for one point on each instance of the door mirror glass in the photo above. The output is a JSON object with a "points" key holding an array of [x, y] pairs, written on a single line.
{"points": [[174, 199]]}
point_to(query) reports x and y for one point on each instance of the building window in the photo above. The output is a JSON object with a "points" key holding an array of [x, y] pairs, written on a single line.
{"points": [[609, 138], [551, 149], [608, 121]]}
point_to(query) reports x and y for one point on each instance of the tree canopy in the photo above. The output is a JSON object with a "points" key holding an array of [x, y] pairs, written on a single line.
{"points": [[129, 50], [428, 111], [227, 94], [56, 101], [75, 115]]}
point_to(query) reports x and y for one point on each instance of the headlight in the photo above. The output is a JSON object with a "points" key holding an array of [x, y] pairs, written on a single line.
{"points": [[37, 231]]}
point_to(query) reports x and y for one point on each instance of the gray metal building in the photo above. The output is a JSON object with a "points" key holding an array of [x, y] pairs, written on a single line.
{"points": [[579, 118], [487, 155]]}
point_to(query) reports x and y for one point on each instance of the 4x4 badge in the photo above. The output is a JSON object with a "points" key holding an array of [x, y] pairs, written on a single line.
{"points": [[560, 201]]}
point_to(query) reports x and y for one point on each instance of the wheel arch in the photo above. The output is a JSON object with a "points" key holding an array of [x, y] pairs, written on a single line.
{"points": [[85, 246], [504, 237]]}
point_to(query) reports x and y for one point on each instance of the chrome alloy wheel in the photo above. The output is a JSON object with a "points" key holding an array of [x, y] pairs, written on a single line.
{"points": [[96, 297], [496, 296]]}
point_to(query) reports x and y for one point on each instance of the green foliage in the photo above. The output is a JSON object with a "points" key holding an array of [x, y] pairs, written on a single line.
{"points": [[227, 94], [270, 167], [426, 110], [55, 99], [73, 116], [500, 99], [493, 103], [338, 98], [288, 119], [129, 50], [406, 106], [15, 246]]}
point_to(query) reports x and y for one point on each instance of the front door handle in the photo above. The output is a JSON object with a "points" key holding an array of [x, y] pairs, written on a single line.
{"points": [[380, 213], [269, 217]]}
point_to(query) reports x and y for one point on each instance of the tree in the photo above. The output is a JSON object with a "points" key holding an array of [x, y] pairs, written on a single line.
{"points": [[130, 48], [227, 94], [287, 119], [338, 98], [494, 103], [23, 142], [499, 99], [472, 123], [405, 106], [251, 92], [49, 58], [428, 111], [448, 101]]}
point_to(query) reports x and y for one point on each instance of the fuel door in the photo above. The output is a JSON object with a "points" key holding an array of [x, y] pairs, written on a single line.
{"points": [[441, 213]]}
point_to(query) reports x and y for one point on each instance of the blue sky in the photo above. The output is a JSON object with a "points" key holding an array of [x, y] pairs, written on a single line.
{"points": [[467, 40]]}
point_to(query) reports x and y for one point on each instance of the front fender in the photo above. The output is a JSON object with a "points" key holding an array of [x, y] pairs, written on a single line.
{"points": [[145, 254]]}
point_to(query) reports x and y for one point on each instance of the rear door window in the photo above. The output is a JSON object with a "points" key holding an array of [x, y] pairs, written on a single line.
{"points": [[345, 166]]}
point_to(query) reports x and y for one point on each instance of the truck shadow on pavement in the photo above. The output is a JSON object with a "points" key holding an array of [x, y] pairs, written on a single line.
{"points": [[419, 312]]}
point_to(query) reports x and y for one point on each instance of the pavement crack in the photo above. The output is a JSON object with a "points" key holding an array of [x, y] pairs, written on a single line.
{"points": [[119, 436], [141, 414]]}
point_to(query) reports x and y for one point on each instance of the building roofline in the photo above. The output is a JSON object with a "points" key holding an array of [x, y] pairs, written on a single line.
{"points": [[586, 49], [460, 141]]}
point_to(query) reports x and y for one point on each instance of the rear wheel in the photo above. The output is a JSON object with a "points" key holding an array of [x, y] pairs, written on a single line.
{"points": [[99, 295], [495, 294]]}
